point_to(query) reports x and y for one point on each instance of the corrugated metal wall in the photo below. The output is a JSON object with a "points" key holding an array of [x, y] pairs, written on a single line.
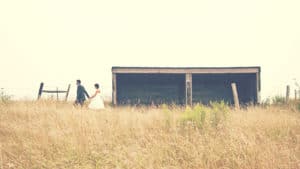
{"points": [[216, 87], [151, 88], [170, 88]]}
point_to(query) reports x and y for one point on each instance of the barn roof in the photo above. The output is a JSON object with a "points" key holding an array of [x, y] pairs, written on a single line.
{"points": [[179, 70]]}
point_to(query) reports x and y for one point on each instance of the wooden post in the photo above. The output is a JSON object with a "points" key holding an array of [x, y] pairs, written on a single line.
{"points": [[40, 90], [258, 98], [287, 93], [114, 92], [67, 93], [235, 95], [189, 89], [57, 94], [295, 94]]}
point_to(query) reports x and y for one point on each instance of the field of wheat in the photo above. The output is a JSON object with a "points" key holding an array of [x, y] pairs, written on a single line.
{"points": [[47, 134]]}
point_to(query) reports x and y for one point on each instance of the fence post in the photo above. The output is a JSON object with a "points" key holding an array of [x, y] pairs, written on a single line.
{"points": [[40, 90], [288, 90], [67, 93], [235, 96], [295, 94], [57, 93]]}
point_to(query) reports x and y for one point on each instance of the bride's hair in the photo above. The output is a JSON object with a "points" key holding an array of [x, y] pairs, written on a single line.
{"points": [[96, 86]]}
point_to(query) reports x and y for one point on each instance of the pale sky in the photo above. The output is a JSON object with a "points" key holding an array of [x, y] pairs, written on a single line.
{"points": [[59, 41]]}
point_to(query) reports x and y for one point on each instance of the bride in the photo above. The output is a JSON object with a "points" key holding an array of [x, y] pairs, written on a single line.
{"points": [[96, 100]]}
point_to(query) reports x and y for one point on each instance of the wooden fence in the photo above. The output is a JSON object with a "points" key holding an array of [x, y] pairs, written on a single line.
{"points": [[41, 91]]}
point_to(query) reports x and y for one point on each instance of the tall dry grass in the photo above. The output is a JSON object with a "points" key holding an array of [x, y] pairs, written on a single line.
{"points": [[56, 135]]}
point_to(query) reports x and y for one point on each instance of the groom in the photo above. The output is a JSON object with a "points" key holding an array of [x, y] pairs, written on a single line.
{"points": [[81, 93]]}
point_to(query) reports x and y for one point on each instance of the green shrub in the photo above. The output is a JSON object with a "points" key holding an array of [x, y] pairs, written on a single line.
{"points": [[195, 116], [278, 100], [200, 116], [219, 112], [4, 98], [168, 115], [266, 102]]}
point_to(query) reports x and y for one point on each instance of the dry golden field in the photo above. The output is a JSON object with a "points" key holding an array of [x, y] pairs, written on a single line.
{"points": [[56, 135]]}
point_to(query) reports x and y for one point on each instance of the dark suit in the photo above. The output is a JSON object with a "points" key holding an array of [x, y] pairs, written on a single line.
{"points": [[81, 93]]}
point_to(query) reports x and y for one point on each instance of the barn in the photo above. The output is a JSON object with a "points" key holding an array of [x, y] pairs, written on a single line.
{"points": [[184, 85]]}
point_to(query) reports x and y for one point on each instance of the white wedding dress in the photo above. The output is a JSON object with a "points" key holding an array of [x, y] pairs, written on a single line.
{"points": [[97, 102]]}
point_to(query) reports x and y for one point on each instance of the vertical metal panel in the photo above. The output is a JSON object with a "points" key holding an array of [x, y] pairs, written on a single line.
{"points": [[147, 89]]}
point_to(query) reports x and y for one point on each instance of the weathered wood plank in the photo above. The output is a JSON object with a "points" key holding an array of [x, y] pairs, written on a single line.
{"points": [[189, 89], [114, 85], [57, 97], [186, 70], [67, 93], [235, 95], [40, 90], [288, 90], [258, 99], [54, 91]]}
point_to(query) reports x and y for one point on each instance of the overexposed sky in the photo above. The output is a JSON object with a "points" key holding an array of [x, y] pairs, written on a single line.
{"points": [[59, 41]]}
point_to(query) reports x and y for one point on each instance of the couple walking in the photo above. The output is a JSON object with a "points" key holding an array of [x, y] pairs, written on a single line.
{"points": [[96, 99]]}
